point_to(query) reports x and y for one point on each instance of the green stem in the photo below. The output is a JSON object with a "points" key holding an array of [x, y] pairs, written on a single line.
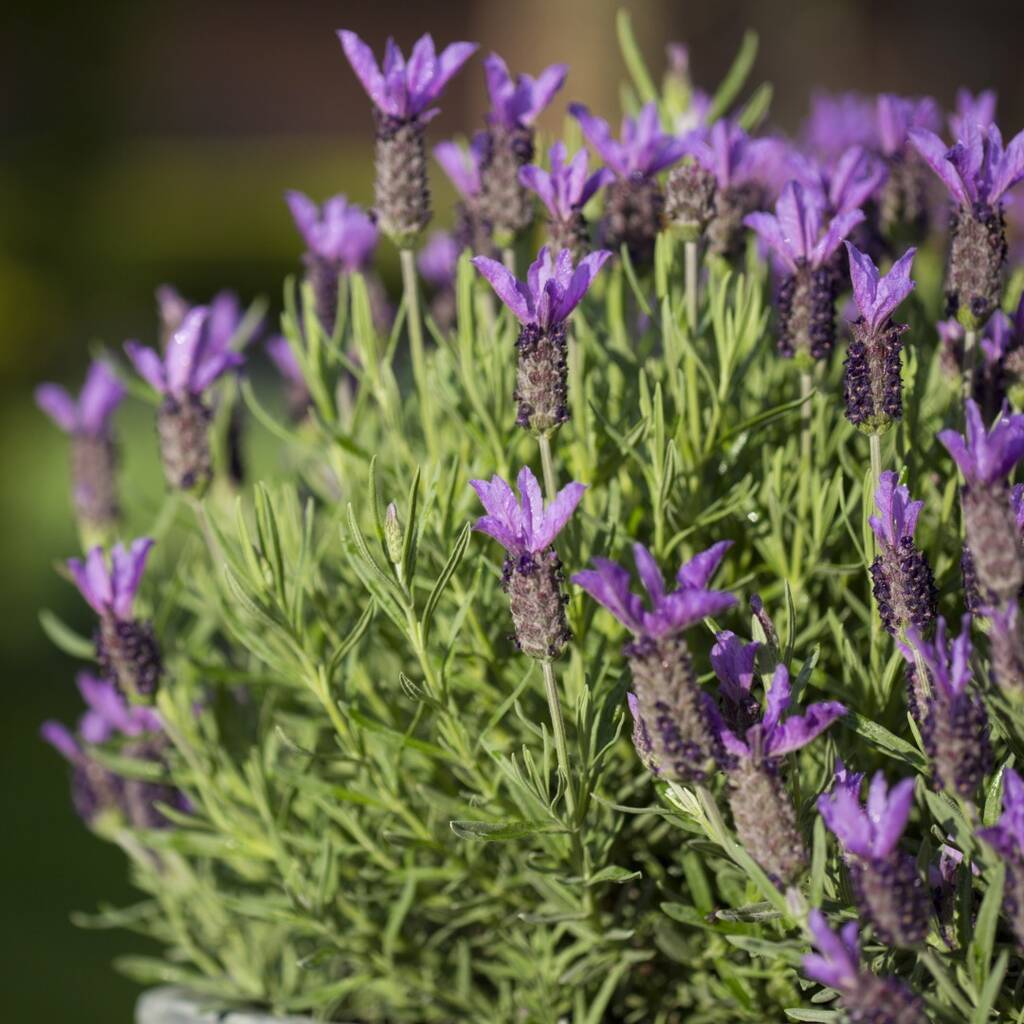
{"points": [[806, 458], [414, 321], [692, 285], [875, 441], [970, 361], [508, 258], [558, 728], [548, 466]]}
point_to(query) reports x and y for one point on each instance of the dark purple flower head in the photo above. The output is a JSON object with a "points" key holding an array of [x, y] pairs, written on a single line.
{"points": [[897, 518], [733, 662], [524, 526], [837, 963], [643, 148], [553, 286], [565, 189], [517, 103], [871, 832], [797, 233], [462, 164], [977, 109], [194, 359], [111, 591], [90, 415], [283, 357], [669, 612], [898, 115], [338, 231], [732, 156], [838, 121], [986, 457], [976, 170], [1006, 837], [108, 714], [949, 665], [773, 738], [405, 90], [438, 260], [878, 295]]}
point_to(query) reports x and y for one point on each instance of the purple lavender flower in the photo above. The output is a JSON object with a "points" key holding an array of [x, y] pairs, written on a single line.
{"points": [[641, 736], [903, 201], [734, 664], [973, 109], [1002, 367], [93, 452], [634, 203], [902, 579], [838, 121], [888, 887], [552, 290], [872, 378], [125, 645], [515, 106], [674, 710], [763, 813], [986, 458], [340, 239], [172, 307], [1006, 646], [463, 166], [951, 347], [297, 397], [865, 996], [1006, 837], [739, 170], [564, 191], [532, 575], [802, 245], [193, 361], [847, 183], [97, 792], [954, 725], [402, 94], [977, 173]]}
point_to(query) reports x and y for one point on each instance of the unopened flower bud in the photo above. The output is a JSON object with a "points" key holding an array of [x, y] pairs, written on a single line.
{"points": [[505, 203], [183, 424], [806, 303], [690, 200], [393, 539], [634, 210], [402, 191], [542, 377], [997, 553], [976, 258], [129, 656], [537, 602]]}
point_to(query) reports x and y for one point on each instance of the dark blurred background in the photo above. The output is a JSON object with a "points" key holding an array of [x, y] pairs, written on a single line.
{"points": [[146, 142]]}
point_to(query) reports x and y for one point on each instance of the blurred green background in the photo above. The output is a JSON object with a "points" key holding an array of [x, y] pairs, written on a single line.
{"points": [[146, 142]]}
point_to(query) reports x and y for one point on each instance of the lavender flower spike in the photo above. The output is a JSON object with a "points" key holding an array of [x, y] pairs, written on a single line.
{"points": [[464, 167], [552, 290], [340, 238], [1006, 837], [872, 380], [532, 575], [1006, 647], [902, 579], [96, 792], [93, 452], [188, 368], [865, 995], [803, 244], [673, 709], [734, 664], [564, 191], [903, 202], [402, 93], [986, 458], [764, 815], [887, 885], [125, 645], [954, 725], [515, 106], [977, 173], [635, 203]]}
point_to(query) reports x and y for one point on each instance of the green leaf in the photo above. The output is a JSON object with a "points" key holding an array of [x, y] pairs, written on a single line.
{"points": [[980, 952], [814, 1015], [461, 543], [613, 873], [65, 638], [635, 65], [735, 78], [880, 737], [987, 998], [495, 831]]}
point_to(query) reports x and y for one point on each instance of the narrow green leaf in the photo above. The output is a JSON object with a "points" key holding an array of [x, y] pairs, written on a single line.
{"points": [[635, 64], [492, 831], [461, 543], [65, 638], [735, 78]]}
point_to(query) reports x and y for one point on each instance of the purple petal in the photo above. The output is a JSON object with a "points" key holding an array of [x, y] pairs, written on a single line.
{"points": [[609, 584], [598, 134], [650, 573], [306, 215], [422, 66], [61, 739], [934, 153], [364, 64], [838, 228], [845, 817], [777, 699], [596, 181], [511, 291], [460, 168], [1010, 169], [126, 574], [685, 608], [101, 394], [500, 502], [183, 351], [697, 572], [547, 83], [888, 813], [798, 730], [893, 288], [58, 405], [864, 276], [800, 219], [733, 663], [531, 498], [557, 514], [538, 181], [449, 63], [767, 227], [212, 367], [499, 530], [582, 279], [148, 364]]}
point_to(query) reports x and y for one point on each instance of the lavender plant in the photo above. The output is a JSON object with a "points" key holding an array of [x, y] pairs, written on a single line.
{"points": [[366, 765]]}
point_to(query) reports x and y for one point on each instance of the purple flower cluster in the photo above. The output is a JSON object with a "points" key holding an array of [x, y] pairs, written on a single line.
{"points": [[1006, 837]]}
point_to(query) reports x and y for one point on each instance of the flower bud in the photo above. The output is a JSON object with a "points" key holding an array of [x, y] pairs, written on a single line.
{"points": [[996, 550], [806, 303], [505, 203], [542, 378], [690, 200], [534, 587], [402, 191], [183, 425], [634, 209], [976, 258], [890, 891], [393, 540], [129, 655]]}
